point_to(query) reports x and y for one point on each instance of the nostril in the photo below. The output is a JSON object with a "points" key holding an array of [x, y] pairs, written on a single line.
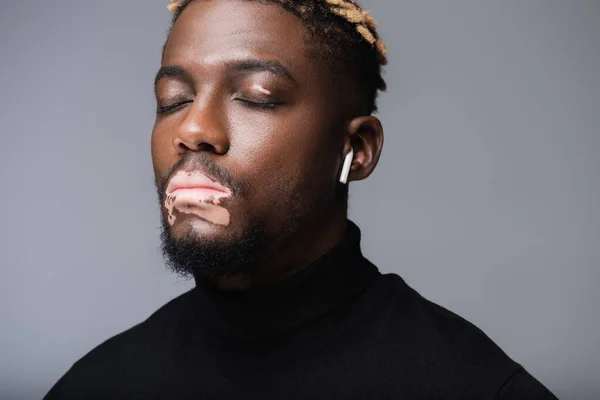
{"points": [[185, 146], [206, 147], [213, 141]]}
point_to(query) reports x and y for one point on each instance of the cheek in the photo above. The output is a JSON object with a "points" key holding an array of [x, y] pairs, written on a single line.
{"points": [[286, 160], [160, 146]]}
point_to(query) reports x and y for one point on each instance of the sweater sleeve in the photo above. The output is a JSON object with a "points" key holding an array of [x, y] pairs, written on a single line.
{"points": [[523, 386]]}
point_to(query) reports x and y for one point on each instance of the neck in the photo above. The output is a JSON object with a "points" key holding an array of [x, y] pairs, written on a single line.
{"points": [[248, 324], [302, 248]]}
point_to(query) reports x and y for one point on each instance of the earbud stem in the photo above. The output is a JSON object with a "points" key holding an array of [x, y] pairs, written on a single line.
{"points": [[346, 168]]}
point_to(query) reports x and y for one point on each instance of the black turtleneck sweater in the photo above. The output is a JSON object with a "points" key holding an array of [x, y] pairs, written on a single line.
{"points": [[338, 329]]}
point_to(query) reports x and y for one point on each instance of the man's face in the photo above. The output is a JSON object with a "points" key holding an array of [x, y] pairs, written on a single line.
{"points": [[246, 125]]}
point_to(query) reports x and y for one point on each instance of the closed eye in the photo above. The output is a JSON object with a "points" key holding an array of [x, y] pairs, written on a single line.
{"points": [[171, 107], [259, 104]]}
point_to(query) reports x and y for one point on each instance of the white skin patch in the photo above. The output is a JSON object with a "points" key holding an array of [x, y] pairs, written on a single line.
{"points": [[194, 193], [261, 89]]}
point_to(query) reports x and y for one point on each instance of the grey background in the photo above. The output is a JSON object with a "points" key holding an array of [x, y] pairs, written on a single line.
{"points": [[486, 199]]}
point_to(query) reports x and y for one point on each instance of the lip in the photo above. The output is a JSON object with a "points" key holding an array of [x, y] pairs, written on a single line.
{"points": [[195, 181]]}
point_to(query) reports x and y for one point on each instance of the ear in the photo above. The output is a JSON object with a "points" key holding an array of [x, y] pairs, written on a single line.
{"points": [[365, 135]]}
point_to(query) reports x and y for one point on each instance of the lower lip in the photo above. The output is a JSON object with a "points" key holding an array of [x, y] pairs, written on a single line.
{"points": [[202, 202]]}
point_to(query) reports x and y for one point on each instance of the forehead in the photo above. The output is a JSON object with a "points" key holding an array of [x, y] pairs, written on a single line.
{"points": [[211, 32]]}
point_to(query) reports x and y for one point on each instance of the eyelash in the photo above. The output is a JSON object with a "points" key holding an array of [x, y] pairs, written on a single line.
{"points": [[247, 103], [171, 107], [262, 106]]}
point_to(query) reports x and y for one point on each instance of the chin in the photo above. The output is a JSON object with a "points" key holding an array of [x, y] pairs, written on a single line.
{"points": [[188, 226], [195, 247]]}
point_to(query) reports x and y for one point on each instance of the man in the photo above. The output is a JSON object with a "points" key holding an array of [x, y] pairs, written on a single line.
{"points": [[264, 112]]}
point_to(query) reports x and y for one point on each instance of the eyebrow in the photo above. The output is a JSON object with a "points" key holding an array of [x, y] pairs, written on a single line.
{"points": [[174, 71], [274, 67], [262, 65]]}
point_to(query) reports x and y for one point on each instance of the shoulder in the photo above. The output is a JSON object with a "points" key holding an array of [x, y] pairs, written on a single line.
{"points": [[440, 343], [522, 386], [120, 357], [158, 327], [437, 324]]}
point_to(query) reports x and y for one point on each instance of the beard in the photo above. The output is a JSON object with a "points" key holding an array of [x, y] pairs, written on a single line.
{"points": [[189, 255]]}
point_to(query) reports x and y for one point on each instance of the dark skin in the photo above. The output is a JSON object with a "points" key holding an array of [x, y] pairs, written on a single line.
{"points": [[239, 85]]}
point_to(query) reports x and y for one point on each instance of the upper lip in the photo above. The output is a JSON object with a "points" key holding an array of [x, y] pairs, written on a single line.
{"points": [[185, 179]]}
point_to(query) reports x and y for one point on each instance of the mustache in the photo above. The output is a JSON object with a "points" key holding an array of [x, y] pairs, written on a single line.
{"points": [[203, 162]]}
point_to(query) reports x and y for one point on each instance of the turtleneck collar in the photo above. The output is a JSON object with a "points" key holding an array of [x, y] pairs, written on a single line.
{"points": [[318, 289]]}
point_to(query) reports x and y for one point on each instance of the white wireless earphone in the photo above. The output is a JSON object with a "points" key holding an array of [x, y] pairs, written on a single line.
{"points": [[346, 167]]}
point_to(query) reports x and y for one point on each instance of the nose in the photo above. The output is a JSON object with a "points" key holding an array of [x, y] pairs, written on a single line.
{"points": [[202, 129]]}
